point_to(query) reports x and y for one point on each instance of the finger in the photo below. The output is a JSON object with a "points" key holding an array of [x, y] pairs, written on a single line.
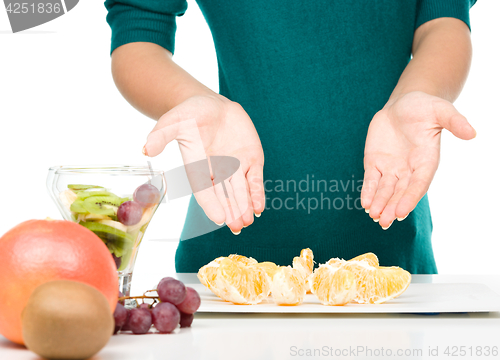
{"points": [[370, 185], [385, 191], [211, 205], [389, 213], [242, 197], [449, 118], [164, 132], [250, 209], [255, 178], [418, 185], [225, 194]]}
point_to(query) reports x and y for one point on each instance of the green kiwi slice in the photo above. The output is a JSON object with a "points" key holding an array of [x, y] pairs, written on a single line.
{"points": [[79, 187], [127, 254], [82, 195], [102, 205], [118, 242], [78, 207]]}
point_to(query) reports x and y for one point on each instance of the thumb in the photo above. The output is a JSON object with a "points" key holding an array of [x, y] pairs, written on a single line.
{"points": [[164, 132], [449, 118]]}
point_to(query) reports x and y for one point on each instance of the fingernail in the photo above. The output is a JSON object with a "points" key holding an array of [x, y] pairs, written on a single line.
{"points": [[401, 219], [258, 215], [376, 220], [144, 151], [385, 228], [367, 211], [220, 224], [236, 233]]}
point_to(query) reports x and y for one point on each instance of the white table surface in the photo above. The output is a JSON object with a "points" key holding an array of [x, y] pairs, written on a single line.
{"points": [[290, 336]]}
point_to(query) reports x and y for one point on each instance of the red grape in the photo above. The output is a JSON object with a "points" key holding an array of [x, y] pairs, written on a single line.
{"points": [[147, 195], [118, 261], [129, 213], [186, 320], [191, 303], [164, 279], [145, 306], [172, 291], [139, 321], [166, 317], [120, 315], [126, 326]]}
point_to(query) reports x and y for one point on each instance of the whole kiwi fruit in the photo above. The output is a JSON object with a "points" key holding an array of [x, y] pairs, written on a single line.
{"points": [[66, 320]]}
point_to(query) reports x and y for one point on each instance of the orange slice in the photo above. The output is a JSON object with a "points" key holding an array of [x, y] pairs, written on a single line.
{"points": [[269, 267], [377, 284], [241, 284], [305, 264], [208, 273], [333, 285], [308, 257], [370, 258], [243, 259], [288, 286]]}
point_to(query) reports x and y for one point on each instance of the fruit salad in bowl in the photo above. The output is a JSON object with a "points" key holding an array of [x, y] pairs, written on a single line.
{"points": [[116, 203]]}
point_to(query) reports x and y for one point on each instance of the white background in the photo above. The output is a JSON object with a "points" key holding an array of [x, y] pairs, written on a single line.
{"points": [[59, 105]]}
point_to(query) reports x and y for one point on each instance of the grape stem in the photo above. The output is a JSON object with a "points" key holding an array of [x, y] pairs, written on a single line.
{"points": [[138, 297], [143, 296], [147, 291]]}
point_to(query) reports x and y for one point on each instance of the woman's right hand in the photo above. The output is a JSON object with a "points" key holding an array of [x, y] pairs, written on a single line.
{"points": [[212, 125]]}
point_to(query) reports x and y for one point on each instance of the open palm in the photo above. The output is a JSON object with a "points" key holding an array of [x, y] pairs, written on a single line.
{"points": [[402, 153], [206, 126]]}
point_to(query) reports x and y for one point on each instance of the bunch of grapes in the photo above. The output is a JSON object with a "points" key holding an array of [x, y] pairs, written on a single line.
{"points": [[177, 304]]}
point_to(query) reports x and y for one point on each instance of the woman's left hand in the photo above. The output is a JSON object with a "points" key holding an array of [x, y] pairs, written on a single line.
{"points": [[402, 153]]}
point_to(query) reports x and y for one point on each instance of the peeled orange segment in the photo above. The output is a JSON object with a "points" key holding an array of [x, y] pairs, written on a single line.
{"points": [[241, 284], [269, 267], [300, 265], [335, 262], [333, 285], [370, 258], [308, 257], [208, 273], [288, 286], [305, 264], [243, 259], [377, 284]]}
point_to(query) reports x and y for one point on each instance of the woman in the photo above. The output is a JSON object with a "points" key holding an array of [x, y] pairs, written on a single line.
{"points": [[324, 88]]}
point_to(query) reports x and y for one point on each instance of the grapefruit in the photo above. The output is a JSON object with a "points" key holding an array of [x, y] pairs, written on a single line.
{"points": [[38, 251]]}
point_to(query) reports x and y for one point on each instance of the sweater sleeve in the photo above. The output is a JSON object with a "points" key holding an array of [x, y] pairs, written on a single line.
{"points": [[428, 10], [144, 21]]}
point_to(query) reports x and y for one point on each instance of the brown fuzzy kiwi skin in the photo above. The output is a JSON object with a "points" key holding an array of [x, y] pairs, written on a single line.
{"points": [[66, 320]]}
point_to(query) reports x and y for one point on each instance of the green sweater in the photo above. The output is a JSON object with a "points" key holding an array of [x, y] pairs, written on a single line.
{"points": [[311, 75]]}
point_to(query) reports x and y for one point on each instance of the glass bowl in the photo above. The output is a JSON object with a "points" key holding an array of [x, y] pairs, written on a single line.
{"points": [[115, 202]]}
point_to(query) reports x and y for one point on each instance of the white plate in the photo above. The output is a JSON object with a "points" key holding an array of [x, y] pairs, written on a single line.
{"points": [[418, 298]]}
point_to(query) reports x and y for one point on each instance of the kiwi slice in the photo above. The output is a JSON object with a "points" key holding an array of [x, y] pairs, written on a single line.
{"points": [[117, 250], [102, 205], [82, 195], [78, 207], [79, 187], [127, 254], [117, 241], [96, 217]]}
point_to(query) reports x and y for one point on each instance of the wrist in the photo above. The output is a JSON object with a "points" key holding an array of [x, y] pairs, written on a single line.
{"points": [[396, 96]]}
